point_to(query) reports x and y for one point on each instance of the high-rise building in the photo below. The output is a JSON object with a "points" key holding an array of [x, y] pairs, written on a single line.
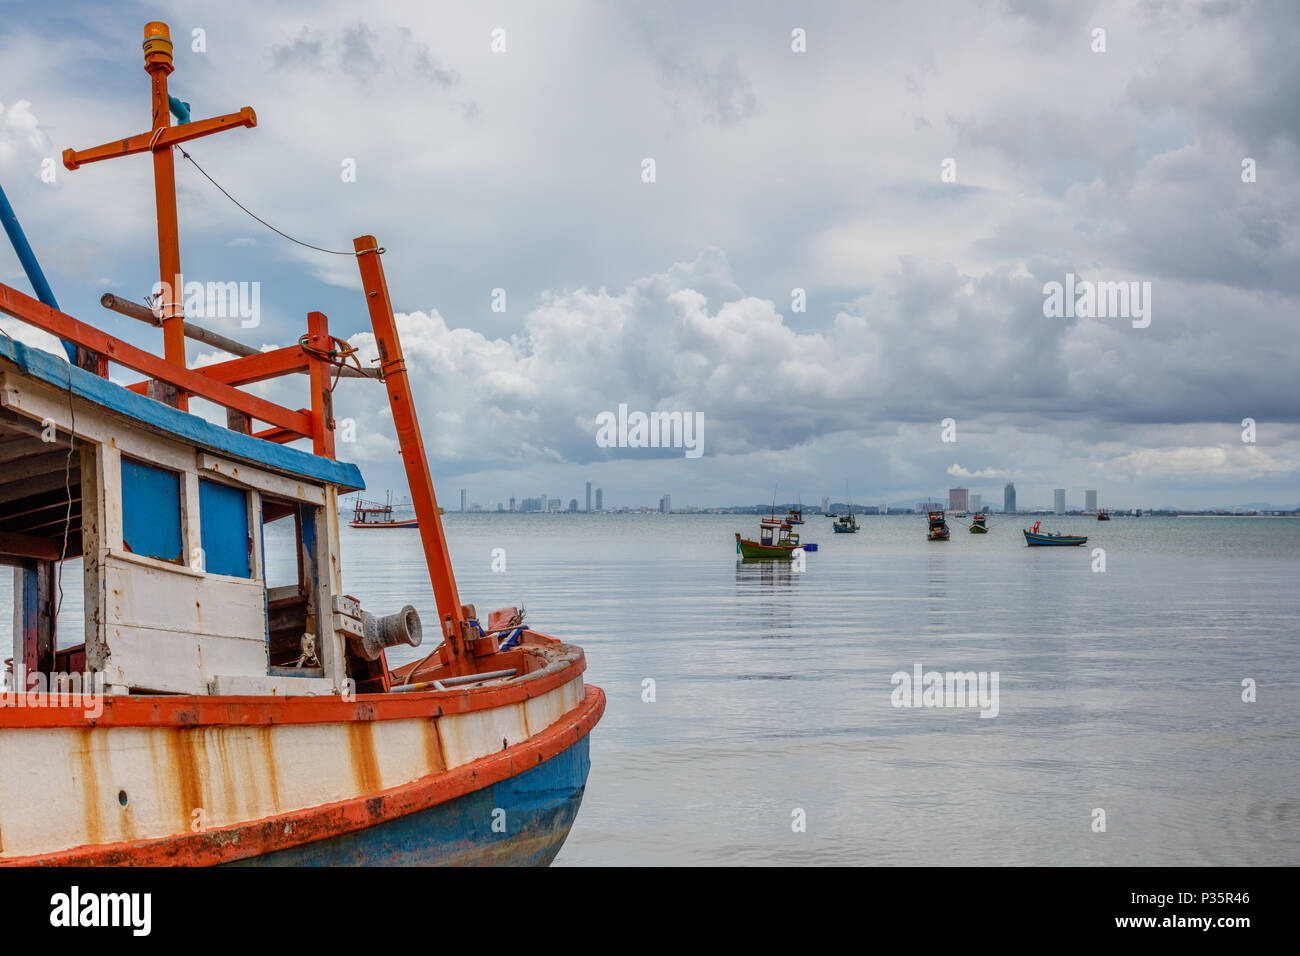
{"points": [[512, 502], [1090, 498], [589, 496], [555, 504], [1009, 498], [826, 505], [573, 504], [1058, 504], [666, 503], [462, 499], [600, 499], [957, 499], [976, 502], [529, 505]]}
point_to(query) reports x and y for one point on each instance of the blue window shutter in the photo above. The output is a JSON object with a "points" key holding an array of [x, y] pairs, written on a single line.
{"points": [[223, 529], [151, 511]]}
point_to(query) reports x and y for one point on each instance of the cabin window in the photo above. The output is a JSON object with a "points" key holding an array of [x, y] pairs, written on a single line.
{"points": [[151, 511], [289, 531], [223, 529]]}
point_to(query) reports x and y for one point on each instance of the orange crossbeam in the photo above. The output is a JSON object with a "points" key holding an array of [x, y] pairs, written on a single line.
{"points": [[20, 306], [249, 369], [168, 137]]}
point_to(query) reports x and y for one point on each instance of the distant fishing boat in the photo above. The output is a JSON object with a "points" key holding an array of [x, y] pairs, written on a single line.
{"points": [[978, 524], [379, 516], [1103, 515], [1137, 513], [846, 523], [775, 540], [794, 515], [938, 527], [1035, 538]]}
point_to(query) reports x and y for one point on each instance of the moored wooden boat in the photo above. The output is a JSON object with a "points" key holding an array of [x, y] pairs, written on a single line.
{"points": [[937, 528], [979, 524], [209, 718], [379, 516], [1036, 538], [1103, 515], [845, 524], [775, 540]]}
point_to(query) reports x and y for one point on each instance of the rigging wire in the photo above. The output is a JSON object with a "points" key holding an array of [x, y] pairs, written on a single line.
{"points": [[333, 252]]}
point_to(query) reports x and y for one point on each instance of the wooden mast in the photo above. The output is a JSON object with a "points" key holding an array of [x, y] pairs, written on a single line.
{"points": [[159, 140]]}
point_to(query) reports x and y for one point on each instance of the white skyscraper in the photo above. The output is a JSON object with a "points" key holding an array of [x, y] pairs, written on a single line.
{"points": [[1091, 500], [976, 502], [1059, 501]]}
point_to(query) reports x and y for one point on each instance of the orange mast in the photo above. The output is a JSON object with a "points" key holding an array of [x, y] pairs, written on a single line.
{"points": [[160, 139]]}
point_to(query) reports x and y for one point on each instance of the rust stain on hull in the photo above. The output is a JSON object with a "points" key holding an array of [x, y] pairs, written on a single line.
{"points": [[361, 751], [86, 771], [433, 746]]}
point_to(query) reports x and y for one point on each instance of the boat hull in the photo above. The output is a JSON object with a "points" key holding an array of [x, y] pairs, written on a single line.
{"points": [[415, 777], [539, 807], [752, 549], [413, 523], [838, 530], [976, 529], [1054, 540]]}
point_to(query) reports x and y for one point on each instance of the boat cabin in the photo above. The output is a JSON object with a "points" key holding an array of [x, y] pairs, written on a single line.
{"points": [[210, 557]]}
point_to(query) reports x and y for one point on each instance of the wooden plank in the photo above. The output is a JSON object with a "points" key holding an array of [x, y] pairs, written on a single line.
{"points": [[92, 555], [176, 600], [35, 465], [25, 447], [28, 487], [262, 480], [16, 545], [179, 662]]}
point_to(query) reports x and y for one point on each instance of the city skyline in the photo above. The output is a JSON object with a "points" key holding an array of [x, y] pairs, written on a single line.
{"points": [[956, 499]]}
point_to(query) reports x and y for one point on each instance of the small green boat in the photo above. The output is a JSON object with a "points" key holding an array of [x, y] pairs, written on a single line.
{"points": [[775, 540], [978, 525]]}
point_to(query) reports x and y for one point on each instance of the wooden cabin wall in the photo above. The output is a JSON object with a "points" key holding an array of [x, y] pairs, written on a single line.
{"points": [[151, 624]]}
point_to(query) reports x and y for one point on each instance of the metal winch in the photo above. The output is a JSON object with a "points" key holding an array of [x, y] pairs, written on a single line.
{"points": [[370, 633]]}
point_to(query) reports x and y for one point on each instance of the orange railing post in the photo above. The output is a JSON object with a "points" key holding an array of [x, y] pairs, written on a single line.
{"points": [[454, 618], [322, 399]]}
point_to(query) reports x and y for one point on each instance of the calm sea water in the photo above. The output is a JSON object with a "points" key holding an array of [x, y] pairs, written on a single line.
{"points": [[1119, 691]]}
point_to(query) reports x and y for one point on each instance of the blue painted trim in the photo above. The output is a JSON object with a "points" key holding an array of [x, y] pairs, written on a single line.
{"points": [[540, 805], [223, 529], [48, 368], [151, 511], [35, 274]]}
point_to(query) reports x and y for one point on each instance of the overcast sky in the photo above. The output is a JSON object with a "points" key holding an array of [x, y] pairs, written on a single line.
{"points": [[775, 170]]}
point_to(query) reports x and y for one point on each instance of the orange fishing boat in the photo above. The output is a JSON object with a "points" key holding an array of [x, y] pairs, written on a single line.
{"points": [[206, 717]]}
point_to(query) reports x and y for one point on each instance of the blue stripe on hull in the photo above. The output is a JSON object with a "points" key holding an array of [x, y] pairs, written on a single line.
{"points": [[540, 805]]}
